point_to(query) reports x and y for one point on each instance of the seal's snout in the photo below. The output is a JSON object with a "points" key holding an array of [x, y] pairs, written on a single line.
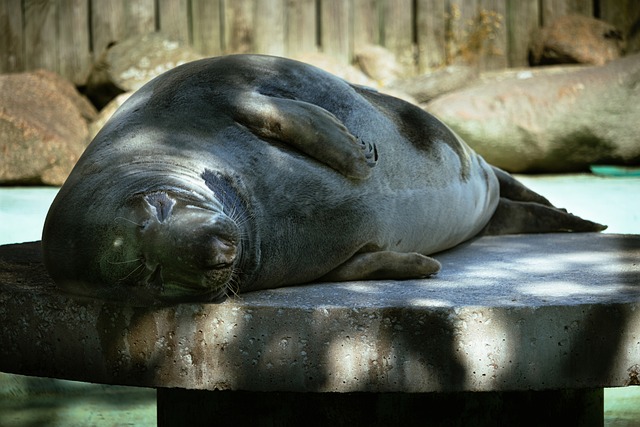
{"points": [[223, 253], [191, 250], [207, 240]]}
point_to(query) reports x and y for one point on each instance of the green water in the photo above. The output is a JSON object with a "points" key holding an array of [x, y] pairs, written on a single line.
{"points": [[27, 401], [22, 212]]}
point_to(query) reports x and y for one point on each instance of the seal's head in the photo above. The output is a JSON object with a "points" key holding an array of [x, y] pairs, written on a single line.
{"points": [[160, 246], [187, 250]]}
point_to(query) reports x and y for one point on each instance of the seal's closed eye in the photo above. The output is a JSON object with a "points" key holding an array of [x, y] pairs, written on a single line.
{"points": [[161, 203]]}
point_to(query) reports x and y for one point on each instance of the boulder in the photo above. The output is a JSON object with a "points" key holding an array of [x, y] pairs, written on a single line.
{"points": [[523, 73], [379, 64], [128, 64], [43, 128], [105, 114], [347, 72], [350, 73], [576, 39], [426, 87], [559, 122]]}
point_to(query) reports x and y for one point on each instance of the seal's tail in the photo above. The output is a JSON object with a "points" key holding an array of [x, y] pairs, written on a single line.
{"points": [[522, 210]]}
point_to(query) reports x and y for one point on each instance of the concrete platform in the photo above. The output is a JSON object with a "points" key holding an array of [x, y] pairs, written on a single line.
{"points": [[508, 314]]}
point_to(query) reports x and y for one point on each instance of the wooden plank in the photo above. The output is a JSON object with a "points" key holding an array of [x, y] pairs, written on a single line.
{"points": [[269, 24], [115, 20], [12, 42], [173, 19], [585, 7], [336, 31], [477, 37], [397, 31], [624, 15], [552, 9], [491, 22], [238, 26], [614, 12], [523, 19], [75, 39], [140, 17], [206, 26], [107, 24], [366, 22], [459, 38], [302, 27], [430, 34], [41, 34], [469, 37]]}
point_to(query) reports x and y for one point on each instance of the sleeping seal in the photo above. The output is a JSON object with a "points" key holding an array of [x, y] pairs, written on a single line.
{"points": [[248, 172]]}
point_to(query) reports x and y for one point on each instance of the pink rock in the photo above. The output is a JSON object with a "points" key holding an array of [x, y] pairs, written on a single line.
{"points": [[576, 39], [43, 128]]}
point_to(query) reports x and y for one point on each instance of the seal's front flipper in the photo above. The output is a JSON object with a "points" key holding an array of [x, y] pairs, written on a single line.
{"points": [[514, 217], [383, 265], [308, 128]]}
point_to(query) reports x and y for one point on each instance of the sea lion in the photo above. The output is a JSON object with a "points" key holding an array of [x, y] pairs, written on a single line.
{"points": [[247, 172]]}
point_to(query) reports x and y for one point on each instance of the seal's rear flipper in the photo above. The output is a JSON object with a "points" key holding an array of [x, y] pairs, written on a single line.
{"points": [[383, 265], [515, 217], [308, 128], [513, 189], [522, 210]]}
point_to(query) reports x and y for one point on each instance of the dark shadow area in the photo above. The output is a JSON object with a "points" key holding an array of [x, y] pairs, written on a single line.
{"points": [[574, 407]]}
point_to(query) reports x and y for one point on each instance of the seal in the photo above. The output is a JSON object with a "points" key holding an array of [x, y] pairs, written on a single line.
{"points": [[247, 172]]}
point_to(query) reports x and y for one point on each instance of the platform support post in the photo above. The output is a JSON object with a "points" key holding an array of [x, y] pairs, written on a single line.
{"points": [[179, 407]]}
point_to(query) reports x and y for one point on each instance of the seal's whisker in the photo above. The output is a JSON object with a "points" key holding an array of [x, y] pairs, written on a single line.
{"points": [[235, 214], [125, 262], [243, 233], [232, 289], [241, 220], [128, 220], [136, 270]]}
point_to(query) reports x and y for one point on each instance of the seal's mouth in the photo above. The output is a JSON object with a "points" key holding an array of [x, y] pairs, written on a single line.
{"points": [[180, 294], [207, 289], [172, 294]]}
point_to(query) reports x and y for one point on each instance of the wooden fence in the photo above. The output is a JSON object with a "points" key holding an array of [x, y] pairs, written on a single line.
{"points": [[67, 35]]}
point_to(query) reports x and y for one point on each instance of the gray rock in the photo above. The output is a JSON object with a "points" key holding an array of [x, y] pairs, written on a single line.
{"points": [[127, 65], [551, 123], [523, 73], [43, 128], [429, 86]]}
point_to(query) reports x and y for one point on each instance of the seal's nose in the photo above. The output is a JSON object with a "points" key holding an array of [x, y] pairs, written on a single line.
{"points": [[223, 253]]}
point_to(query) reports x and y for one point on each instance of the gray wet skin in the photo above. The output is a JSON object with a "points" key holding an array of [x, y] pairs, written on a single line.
{"points": [[249, 172]]}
